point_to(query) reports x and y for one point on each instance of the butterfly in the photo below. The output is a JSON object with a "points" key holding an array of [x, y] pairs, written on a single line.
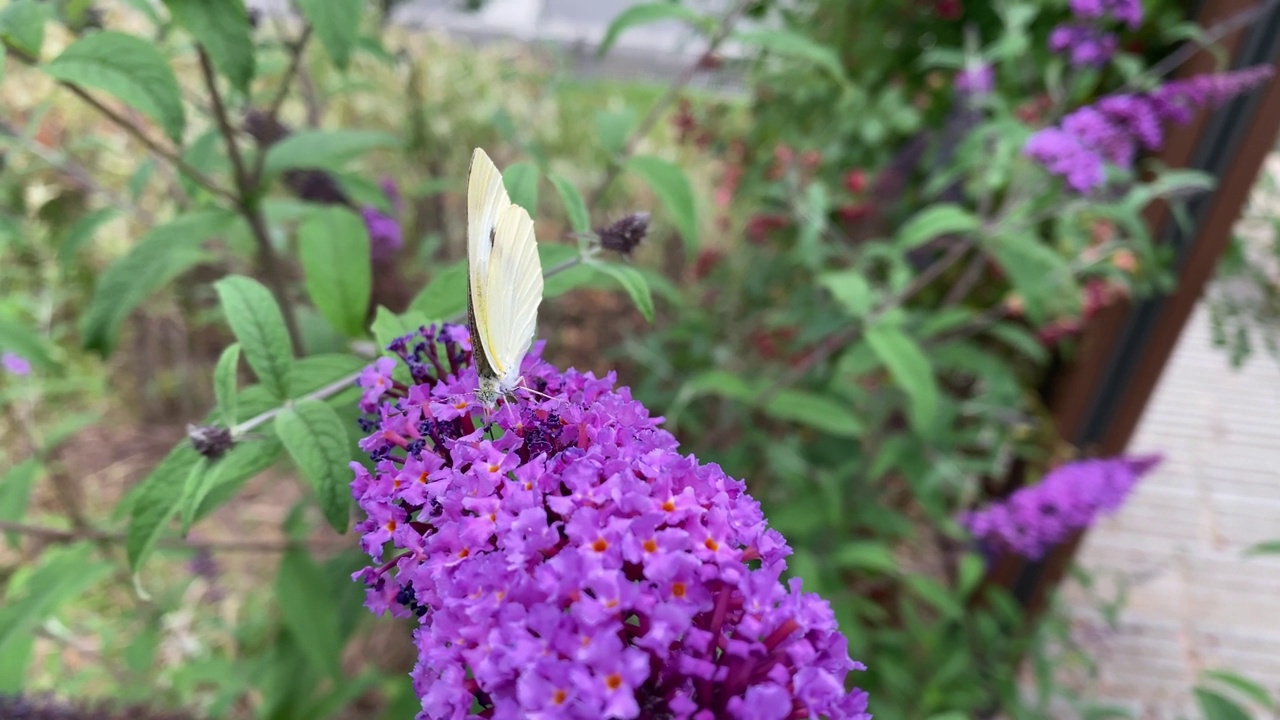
{"points": [[504, 281]]}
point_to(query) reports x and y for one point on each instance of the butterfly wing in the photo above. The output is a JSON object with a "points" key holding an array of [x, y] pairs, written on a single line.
{"points": [[486, 200], [514, 293]]}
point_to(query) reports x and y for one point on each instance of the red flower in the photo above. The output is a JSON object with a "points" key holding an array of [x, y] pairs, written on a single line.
{"points": [[706, 262], [759, 226], [856, 181]]}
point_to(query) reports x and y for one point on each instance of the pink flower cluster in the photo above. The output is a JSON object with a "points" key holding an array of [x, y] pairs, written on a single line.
{"points": [[566, 561]]}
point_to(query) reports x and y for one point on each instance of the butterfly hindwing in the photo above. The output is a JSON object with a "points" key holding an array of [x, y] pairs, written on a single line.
{"points": [[515, 291]]}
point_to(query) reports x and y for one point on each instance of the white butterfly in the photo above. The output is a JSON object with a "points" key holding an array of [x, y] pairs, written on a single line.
{"points": [[504, 281]]}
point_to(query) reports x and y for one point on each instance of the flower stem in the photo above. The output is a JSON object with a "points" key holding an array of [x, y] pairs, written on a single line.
{"points": [[246, 202]]}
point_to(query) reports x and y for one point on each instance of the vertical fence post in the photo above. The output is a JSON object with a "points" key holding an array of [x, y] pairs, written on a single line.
{"points": [[1098, 400]]}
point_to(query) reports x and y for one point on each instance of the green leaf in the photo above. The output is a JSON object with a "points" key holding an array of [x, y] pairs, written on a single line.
{"points": [[633, 282], [21, 340], [613, 127], [17, 653], [816, 411], [936, 221], [851, 289], [128, 67], [229, 473], [15, 493], [1218, 707], [222, 28], [671, 186], [323, 149], [155, 503], [1036, 271], [317, 441], [644, 14], [259, 326], [163, 254], [935, 594], [871, 556], [1018, 338], [194, 491], [970, 572], [445, 297], [1270, 547], [224, 383], [521, 181], [82, 232], [793, 45], [337, 24], [333, 246], [63, 574], [911, 371], [718, 382], [364, 191], [310, 616], [22, 26], [574, 206], [316, 371], [1243, 685], [388, 326]]}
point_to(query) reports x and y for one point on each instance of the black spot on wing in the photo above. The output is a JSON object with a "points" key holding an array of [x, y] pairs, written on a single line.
{"points": [[493, 236]]}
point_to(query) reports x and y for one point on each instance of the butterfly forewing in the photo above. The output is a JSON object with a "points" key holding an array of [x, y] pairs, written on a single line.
{"points": [[504, 275], [486, 199]]}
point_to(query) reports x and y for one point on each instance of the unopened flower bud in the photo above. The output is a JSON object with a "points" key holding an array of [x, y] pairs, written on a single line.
{"points": [[624, 235], [211, 441]]}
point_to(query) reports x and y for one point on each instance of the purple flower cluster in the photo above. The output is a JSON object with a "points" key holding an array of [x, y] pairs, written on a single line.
{"points": [[1114, 128], [1084, 43], [975, 79], [1071, 497], [1084, 40], [566, 561], [15, 364], [385, 235], [1128, 12]]}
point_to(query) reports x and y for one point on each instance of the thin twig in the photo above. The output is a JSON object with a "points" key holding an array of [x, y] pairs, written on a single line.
{"points": [[968, 280], [246, 201], [168, 154], [307, 88], [1213, 34], [296, 50], [59, 535], [661, 104]]}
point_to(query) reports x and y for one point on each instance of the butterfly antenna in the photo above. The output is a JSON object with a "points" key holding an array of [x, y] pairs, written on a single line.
{"points": [[530, 390]]}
